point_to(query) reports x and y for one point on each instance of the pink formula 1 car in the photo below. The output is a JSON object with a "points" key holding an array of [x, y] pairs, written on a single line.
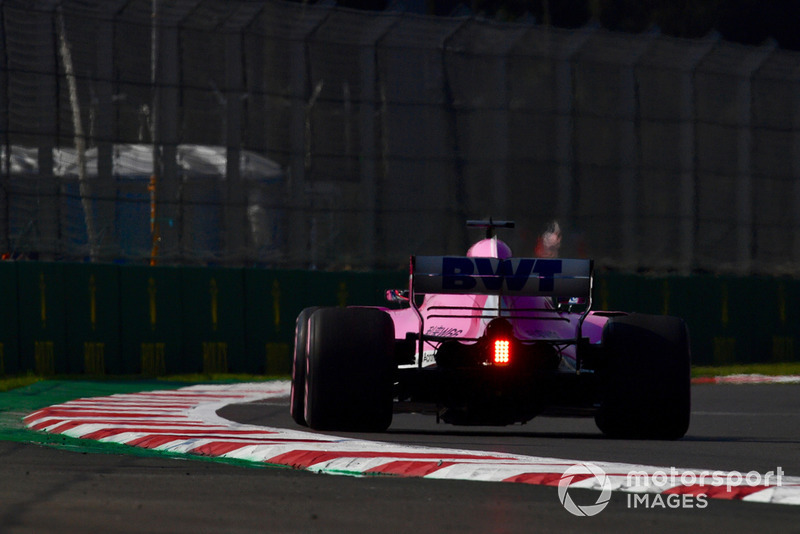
{"points": [[488, 339]]}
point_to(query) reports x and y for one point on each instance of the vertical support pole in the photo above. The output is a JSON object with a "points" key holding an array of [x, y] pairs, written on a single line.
{"points": [[500, 134], [368, 152], [796, 174], [687, 147], [744, 179], [564, 122], [45, 226], [745, 216], [300, 250], [629, 147], [687, 208], [235, 224], [79, 135], [155, 132], [629, 163], [298, 227], [564, 128], [368, 127], [167, 186], [629, 159], [5, 140], [103, 131]]}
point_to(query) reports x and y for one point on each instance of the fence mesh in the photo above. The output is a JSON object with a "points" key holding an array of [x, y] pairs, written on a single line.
{"points": [[281, 134]]}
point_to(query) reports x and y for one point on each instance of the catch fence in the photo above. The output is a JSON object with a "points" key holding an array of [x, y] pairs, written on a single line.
{"points": [[295, 136]]}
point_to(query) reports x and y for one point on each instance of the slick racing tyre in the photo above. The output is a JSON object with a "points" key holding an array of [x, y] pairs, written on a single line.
{"points": [[349, 372], [645, 379], [297, 399]]}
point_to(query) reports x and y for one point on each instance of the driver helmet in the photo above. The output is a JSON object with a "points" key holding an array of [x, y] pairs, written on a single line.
{"points": [[489, 248]]}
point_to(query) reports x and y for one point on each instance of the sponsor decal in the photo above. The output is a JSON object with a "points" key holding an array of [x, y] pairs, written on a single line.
{"points": [[465, 273], [443, 331], [428, 358]]}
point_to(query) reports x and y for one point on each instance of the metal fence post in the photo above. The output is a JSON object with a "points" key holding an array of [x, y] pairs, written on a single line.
{"points": [[46, 222], [168, 186], [686, 157], [5, 141], [368, 130], [565, 122], [745, 217], [629, 157], [795, 167], [235, 224], [300, 222], [104, 133]]}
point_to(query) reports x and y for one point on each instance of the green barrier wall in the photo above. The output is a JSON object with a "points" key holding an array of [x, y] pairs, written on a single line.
{"points": [[42, 320], [151, 314], [91, 305], [273, 300], [9, 319], [111, 319], [731, 320], [213, 320]]}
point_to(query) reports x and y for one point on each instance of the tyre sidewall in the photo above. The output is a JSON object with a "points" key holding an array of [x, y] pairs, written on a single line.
{"points": [[349, 369], [645, 381], [298, 393]]}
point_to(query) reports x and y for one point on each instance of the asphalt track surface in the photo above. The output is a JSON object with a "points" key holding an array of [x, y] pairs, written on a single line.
{"points": [[742, 428]]}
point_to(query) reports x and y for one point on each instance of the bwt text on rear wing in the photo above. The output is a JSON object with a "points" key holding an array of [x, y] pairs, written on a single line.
{"points": [[560, 278]]}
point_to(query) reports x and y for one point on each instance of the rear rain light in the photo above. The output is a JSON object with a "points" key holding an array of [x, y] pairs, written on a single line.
{"points": [[502, 352]]}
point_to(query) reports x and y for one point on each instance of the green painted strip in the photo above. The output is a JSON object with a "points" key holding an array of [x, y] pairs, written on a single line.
{"points": [[17, 403]]}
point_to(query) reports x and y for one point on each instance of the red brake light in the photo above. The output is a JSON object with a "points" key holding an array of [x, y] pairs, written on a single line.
{"points": [[502, 352]]}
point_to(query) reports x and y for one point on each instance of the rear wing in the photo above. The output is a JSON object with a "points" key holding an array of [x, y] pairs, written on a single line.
{"points": [[543, 277]]}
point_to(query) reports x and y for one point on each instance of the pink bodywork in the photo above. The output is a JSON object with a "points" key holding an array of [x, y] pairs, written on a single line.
{"points": [[527, 325]]}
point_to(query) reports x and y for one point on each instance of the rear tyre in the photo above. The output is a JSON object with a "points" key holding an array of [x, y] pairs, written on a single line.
{"points": [[297, 399], [645, 380], [350, 367]]}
